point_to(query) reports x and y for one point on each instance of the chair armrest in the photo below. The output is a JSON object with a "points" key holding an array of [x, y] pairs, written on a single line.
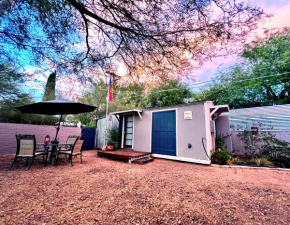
{"points": [[40, 148], [65, 147]]}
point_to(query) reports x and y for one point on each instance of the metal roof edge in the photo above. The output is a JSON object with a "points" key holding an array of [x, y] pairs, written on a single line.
{"points": [[174, 106], [126, 111]]}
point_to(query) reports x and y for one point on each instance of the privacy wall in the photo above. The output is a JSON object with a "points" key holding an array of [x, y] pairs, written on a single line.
{"points": [[8, 131], [239, 147], [274, 119]]}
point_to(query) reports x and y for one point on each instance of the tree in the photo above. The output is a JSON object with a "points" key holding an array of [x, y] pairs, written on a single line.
{"points": [[169, 93], [270, 57], [227, 88], [8, 83], [11, 96], [147, 37], [263, 78], [49, 93], [123, 98]]}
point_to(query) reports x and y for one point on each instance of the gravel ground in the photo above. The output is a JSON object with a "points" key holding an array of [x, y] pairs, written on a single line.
{"points": [[104, 191]]}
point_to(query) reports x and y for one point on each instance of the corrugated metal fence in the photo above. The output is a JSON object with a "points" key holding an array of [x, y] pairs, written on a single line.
{"points": [[267, 118]]}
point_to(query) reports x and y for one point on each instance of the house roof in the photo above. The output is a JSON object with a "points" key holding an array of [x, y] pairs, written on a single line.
{"points": [[138, 111]]}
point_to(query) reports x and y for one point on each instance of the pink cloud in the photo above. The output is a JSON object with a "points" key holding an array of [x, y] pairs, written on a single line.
{"points": [[280, 19]]}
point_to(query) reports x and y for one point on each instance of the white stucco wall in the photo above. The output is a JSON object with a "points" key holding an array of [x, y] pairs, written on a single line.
{"points": [[188, 131]]}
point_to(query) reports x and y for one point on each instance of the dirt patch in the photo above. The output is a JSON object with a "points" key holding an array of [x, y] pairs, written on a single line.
{"points": [[104, 191]]}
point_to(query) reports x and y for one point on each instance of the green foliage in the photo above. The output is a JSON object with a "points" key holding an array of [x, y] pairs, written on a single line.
{"points": [[264, 144], [265, 161], [113, 135], [9, 114], [250, 142], [263, 57], [169, 93], [262, 160], [233, 160], [124, 98], [273, 147], [221, 156], [132, 95], [220, 141], [9, 79], [11, 96], [269, 57]]}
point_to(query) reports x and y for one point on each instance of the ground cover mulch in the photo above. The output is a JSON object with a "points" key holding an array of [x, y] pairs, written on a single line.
{"points": [[104, 191]]}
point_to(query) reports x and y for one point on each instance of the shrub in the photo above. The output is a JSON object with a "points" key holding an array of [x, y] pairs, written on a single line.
{"points": [[264, 144], [250, 142], [265, 161], [233, 160], [221, 156], [262, 160], [220, 141]]}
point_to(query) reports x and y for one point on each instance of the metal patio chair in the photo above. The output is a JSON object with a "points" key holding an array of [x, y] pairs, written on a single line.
{"points": [[26, 148], [74, 150], [71, 140]]}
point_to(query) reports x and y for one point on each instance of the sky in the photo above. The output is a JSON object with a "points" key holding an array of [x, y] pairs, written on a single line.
{"points": [[281, 18]]}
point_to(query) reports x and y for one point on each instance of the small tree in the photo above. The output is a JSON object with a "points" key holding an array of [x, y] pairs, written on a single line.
{"points": [[264, 144], [127, 97], [171, 92], [250, 142]]}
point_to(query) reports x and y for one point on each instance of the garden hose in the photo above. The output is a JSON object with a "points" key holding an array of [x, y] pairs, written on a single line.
{"points": [[204, 148]]}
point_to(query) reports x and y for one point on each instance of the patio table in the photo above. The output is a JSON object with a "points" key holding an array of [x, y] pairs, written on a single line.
{"points": [[52, 148]]}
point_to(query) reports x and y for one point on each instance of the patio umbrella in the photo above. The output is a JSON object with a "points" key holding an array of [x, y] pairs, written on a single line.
{"points": [[56, 107]]}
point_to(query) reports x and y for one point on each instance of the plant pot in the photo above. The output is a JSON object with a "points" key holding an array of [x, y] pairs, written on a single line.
{"points": [[116, 145], [110, 147]]}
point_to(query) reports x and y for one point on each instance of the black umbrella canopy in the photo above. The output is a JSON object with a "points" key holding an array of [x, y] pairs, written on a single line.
{"points": [[56, 107]]}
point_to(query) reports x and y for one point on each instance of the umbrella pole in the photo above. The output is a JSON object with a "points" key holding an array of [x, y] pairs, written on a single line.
{"points": [[57, 129]]}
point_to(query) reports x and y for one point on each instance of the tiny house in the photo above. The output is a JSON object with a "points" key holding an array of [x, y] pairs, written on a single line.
{"points": [[183, 132]]}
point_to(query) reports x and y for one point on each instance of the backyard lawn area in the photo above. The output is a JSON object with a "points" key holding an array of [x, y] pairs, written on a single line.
{"points": [[105, 191]]}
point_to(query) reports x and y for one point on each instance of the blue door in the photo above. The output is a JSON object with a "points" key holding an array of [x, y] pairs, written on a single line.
{"points": [[164, 133], [89, 135]]}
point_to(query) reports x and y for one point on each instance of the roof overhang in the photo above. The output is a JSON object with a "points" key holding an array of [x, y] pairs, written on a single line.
{"points": [[218, 109], [134, 111]]}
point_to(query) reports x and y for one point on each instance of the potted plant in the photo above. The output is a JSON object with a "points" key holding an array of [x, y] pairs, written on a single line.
{"points": [[113, 138]]}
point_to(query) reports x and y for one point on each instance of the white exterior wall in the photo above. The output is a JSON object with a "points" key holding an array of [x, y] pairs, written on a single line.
{"points": [[187, 132], [210, 137], [223, 127]]}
